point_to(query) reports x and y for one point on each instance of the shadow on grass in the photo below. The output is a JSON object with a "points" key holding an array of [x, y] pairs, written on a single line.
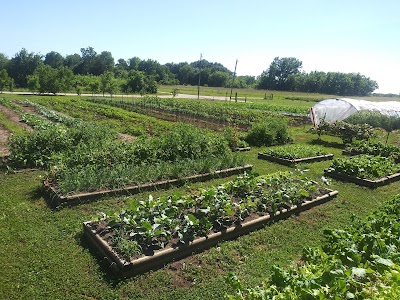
{"points": [[37, 194], [104, 265], [328, 144]]}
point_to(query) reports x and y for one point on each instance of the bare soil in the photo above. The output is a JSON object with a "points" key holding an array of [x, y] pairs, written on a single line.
{"points": [[14, 117], [127, 138], [27, 108], [4, 134]]}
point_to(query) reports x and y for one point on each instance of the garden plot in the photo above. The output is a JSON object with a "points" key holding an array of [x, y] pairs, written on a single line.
{"points": [[59, 200], [14, 117], [373, 148], [366, 170], [148, 234], [295, 154]]}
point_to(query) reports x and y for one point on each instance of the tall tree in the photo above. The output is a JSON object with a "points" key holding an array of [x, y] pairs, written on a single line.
{"points": [[4, 79], [22, 65], [88, 61], [54, 59], [104, 62], [277, 75], [4, 61], [72, 61]]}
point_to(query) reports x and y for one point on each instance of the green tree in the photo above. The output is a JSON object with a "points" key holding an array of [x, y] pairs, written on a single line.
{"points": [[72, 61], [11, 85], [54, 59], [4, 61], [104, 62], [22, 65], [134, 83], [106, 81], [94, 84], [53, 80], [277, 75], [33, 83], [88, 61], [4, 79], [218, 78]]}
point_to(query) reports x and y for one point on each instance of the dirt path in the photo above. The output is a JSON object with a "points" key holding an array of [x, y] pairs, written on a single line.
{"points": [[27, 108], [14, 117], [4, 134]]}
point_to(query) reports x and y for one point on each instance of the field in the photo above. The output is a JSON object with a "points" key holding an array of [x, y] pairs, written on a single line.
{"points": [[46, 256], [259, 95]]}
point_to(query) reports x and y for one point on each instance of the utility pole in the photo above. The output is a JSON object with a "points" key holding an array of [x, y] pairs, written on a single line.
{"points": [[233, 79], [198, 86]]}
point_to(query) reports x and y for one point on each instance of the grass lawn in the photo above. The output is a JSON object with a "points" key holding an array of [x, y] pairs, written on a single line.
{"points": [[45, 257]]}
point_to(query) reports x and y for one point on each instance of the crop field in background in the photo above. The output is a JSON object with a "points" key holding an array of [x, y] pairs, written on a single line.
{"points": [[45, 255]]}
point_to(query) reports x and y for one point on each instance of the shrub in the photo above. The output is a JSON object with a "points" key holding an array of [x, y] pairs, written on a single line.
{"points": [[268, 133], [232, 135]]}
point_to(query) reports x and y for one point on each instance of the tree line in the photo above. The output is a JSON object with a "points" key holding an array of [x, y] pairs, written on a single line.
{"points": [[284, 74], [98, 72]]}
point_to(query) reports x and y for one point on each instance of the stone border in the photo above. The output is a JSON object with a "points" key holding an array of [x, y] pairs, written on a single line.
{"points": [[290, 162], [364, 182], [143, 264], [58, 200]]}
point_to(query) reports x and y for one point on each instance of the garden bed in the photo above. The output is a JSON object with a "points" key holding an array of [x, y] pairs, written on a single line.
{"points": [[364, 182], [124, 267], [290, 162], [57, 200], [366, 170]]}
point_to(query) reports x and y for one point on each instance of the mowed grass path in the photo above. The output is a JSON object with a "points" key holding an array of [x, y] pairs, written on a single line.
{"points": [[45, 257]]}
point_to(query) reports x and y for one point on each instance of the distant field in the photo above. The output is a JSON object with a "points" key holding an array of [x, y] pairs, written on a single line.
{"points": [[259, 95]]}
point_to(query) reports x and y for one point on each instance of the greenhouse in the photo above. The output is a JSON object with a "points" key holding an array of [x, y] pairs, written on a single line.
{"points": [[332, 110]]}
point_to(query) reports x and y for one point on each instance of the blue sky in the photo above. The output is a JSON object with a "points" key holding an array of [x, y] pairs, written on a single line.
{"points": [[326, 35]]}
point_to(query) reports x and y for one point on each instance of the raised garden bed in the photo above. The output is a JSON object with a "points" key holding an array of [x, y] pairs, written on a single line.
{"points": [[362, 181], [149, 233], [124, 267], [290, 162], [366, 170], [57, 200]]}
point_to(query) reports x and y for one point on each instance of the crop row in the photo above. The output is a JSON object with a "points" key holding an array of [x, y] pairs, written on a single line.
{"points": [[359, 262], [227, 112], [87, 156], [121, 120]]}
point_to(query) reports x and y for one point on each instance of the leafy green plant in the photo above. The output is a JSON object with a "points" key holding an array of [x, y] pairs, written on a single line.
{"points": [[365, 166], [374, 148], [234, 138], [176, 219], [359, 262], [268, 133], [347, 132], [296, 151]]}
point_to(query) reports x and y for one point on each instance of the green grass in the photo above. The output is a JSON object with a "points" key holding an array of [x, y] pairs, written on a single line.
{"points": [[250, 93], [45, 257], [11, 126]]}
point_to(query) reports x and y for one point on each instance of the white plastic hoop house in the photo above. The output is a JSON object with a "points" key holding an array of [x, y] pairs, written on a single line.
{"points": [[332, 110]]}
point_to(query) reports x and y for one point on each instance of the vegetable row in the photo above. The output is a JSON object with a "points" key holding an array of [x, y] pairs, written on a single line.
{"points": [[149, 225]]}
